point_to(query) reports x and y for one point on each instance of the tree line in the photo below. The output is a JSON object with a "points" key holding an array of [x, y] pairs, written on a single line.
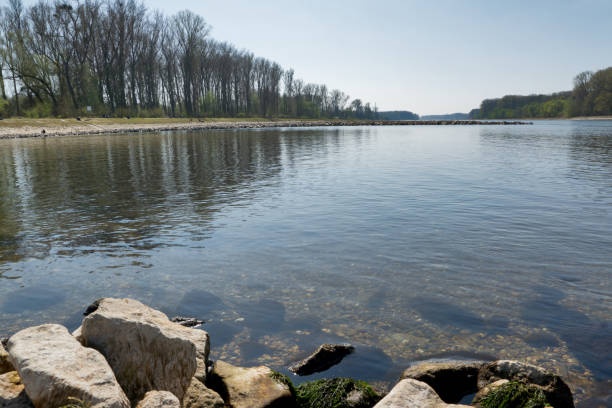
{"points": [[120, 58], [591, 96]]}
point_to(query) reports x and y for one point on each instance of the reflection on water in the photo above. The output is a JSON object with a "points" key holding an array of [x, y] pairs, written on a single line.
{"points": [[409, 242]]}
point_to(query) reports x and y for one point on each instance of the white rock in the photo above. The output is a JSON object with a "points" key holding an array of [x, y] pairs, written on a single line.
{"points": [[159, 399], [145, 349], [53, 366], [410, 393]]}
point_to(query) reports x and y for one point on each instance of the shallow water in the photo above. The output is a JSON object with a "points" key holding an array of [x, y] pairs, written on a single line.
{"points": [[409, 242]]}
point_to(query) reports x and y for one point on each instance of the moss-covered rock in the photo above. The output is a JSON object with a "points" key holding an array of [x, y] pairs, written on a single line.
{"points": [[513, 394], [336, 393], [283, 379], [556, 391]]}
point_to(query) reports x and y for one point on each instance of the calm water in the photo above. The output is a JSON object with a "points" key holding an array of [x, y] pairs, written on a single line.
{"points": [[409, 242]]}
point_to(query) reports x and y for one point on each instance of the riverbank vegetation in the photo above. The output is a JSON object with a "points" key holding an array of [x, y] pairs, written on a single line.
{"points": [[118, 58], [591, 96]]}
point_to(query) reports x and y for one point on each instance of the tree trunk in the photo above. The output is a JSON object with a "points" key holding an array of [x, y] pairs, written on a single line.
{"points": [[16, 94], [2, 84]]}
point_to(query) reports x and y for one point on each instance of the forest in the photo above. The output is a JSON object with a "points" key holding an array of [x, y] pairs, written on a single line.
{"points": [[118, 58], [591, 96], [398, 115]]}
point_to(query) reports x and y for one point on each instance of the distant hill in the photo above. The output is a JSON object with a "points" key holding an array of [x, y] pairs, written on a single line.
{"points": [[398, 115], [449, 116]]}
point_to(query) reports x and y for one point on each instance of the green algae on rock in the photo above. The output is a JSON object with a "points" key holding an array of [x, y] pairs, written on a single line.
{"points": [[336, 393], [283, 379], [514, 394]]}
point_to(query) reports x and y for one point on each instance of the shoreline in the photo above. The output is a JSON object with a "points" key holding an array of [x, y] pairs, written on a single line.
{"points": [[127, 354], [73, 127]]}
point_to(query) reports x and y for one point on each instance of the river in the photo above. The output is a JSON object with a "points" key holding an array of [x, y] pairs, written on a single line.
{"points": [[409, 242]]}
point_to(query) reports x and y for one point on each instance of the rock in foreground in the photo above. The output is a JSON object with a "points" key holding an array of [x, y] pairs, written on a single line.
{"points": [[54, 367], [326, 356], [451, 380], [145, 349], [159, 399], [554, 388], [200, 396], [254, 387], [12, 392], [410, 393]]}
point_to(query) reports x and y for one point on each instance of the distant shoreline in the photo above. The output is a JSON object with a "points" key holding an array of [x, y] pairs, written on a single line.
{"points": [[30, 128], [573, 118], [591, 118]]}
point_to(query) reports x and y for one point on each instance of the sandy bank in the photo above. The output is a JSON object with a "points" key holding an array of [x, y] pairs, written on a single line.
{"points": [[22, 128]]}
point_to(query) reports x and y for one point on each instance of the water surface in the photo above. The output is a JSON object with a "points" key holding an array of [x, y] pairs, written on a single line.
{"points": [[409, 242]]}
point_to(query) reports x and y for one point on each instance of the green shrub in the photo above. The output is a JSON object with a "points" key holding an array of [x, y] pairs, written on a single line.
{"points": [[39, 110]]}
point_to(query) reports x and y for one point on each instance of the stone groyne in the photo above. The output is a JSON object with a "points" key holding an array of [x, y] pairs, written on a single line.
{"points": [[86, 128]]}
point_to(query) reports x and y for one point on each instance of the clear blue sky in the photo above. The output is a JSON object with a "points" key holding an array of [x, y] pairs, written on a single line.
{"points": [[425, 56]]}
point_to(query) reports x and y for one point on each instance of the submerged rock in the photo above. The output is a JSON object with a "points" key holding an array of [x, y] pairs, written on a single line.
{"points": [[92, 308], [556, 391], [5, 364], [54, 367], [159, 399], [326, 356], [200, 396], [336, 393], [12, 392], [187, 321], [451, 380], [413, 393], [254, 387], [145, 349]]}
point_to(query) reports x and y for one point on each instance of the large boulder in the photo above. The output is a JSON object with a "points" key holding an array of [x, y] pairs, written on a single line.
{"points": [[54, 367], [5, 364], [255, 387], [555, 390], [451, 380], [145, 349], [159, 399], [412, 393], [200, 396], [12, 392]]}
